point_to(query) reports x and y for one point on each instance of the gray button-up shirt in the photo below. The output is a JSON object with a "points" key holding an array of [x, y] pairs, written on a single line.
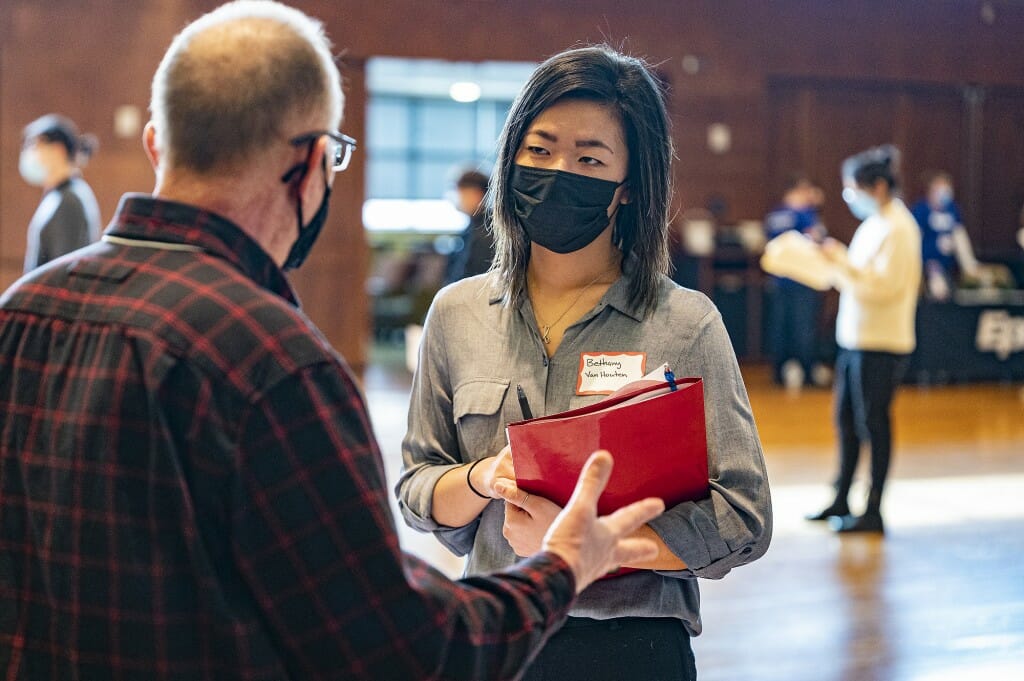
{"points": [[474, 353]]}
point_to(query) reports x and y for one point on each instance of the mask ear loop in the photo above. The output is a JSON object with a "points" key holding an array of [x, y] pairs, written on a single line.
{"points": [[617, 238], [300, 170]]}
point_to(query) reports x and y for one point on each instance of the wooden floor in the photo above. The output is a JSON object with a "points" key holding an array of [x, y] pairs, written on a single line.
{"points": [[941, 597]]}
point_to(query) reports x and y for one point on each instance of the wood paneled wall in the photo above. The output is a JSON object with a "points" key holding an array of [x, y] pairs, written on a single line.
{"points": [[86, 57]]}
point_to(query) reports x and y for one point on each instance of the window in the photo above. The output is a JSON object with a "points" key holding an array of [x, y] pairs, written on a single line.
{"points": [[419, 138]]}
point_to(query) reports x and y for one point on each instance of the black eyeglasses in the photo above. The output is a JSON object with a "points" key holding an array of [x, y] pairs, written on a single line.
{"points": [[340, 150]]}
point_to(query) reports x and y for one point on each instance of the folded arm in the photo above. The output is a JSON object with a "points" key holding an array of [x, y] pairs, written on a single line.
{"points": [[733, 525]]}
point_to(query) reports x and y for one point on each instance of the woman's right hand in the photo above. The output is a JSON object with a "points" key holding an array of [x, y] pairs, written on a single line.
{"points": [[491, 470]]}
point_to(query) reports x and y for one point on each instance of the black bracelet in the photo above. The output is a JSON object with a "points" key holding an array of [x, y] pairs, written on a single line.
{"points": [[470, 482]]}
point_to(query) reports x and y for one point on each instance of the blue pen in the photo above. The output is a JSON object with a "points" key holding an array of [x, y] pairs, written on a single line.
{"points": [[671, 378]]}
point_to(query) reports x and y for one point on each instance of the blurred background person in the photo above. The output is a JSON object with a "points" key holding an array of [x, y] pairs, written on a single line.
{"points": [[878, 279], [68, 217], [477, 245], [945, 246], [472, 256], [794, 309], [1020, 232]]}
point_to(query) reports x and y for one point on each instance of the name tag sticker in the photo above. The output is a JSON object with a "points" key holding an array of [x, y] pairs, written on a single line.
{"points": [[602, 373]]}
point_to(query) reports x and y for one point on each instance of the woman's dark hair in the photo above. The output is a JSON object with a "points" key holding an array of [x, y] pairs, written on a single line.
{"points": [[625, 84], [872, 165], [57, 128]]}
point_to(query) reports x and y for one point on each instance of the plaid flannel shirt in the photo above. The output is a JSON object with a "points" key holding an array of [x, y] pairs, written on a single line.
{"points": [[190, 489]]}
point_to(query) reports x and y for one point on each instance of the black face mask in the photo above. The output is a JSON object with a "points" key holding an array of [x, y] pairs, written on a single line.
{"points": [[308, 233], [563, 212]]}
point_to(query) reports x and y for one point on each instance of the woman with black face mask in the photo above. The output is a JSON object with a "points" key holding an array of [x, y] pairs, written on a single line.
{"points": [[580, 198]]}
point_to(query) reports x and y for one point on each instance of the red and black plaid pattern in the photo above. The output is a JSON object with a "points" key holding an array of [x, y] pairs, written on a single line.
{"points": [[189, 487]]}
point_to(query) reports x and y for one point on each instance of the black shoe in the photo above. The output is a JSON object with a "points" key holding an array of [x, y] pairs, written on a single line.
{"points": [[869, 522], [830, 512]]}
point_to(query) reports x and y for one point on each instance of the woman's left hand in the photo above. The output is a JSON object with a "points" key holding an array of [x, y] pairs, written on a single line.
{"points": [[527, 522]]}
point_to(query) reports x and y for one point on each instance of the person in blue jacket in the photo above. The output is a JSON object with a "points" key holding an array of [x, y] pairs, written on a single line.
{"points": [[945, 247], [794, 308]]}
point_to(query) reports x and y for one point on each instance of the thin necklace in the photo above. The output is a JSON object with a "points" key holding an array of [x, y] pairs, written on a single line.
{"points": [[545, 329]]}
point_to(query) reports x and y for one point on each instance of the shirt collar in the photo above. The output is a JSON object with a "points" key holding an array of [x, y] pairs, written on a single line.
{"points": [[141, 216], [617, 295]]}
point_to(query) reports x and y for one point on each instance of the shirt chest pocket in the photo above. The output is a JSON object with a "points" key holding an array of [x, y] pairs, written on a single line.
{"points": [[477, 407]]}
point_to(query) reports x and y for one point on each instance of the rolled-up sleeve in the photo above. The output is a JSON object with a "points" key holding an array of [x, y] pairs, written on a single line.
{"points": [[733, 525], [431, 448]]}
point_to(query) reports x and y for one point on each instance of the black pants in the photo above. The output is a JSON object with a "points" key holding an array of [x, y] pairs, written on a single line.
{"points": [[793, 327], [623, 649], [865, 383]]}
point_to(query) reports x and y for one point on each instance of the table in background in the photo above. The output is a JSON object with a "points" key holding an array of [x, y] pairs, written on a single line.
{"points": [[979, 336]]}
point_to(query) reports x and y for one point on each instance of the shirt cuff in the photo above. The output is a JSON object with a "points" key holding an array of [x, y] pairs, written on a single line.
{"points": [[694, 533], [416, 497], [551, 569]]}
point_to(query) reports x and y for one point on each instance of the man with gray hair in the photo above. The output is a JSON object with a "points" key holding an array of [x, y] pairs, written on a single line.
{"points": [[189, 486]]}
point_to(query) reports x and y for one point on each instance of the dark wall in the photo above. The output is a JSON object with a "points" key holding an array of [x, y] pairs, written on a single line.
{"points": [[799, 82]]}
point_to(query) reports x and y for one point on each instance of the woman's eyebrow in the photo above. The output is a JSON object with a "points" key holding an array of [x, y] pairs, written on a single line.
{"points": [[543, 133], [580, 144]]}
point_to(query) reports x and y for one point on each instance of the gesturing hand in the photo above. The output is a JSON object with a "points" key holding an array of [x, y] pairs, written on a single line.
{"points": [[594, 546]]}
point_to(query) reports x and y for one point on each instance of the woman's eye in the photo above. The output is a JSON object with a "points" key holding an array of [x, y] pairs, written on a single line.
{"points": [[540, 151], [591, 161]]}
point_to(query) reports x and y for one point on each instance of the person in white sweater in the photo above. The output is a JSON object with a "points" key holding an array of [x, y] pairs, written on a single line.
{"points": [[878, 278]]}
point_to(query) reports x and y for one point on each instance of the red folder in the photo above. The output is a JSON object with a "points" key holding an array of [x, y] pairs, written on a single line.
{"points": [[655, 435]]}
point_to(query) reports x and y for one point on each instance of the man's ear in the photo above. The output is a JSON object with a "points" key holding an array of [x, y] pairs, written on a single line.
{"points": [[149, 144], [307, 186]]}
